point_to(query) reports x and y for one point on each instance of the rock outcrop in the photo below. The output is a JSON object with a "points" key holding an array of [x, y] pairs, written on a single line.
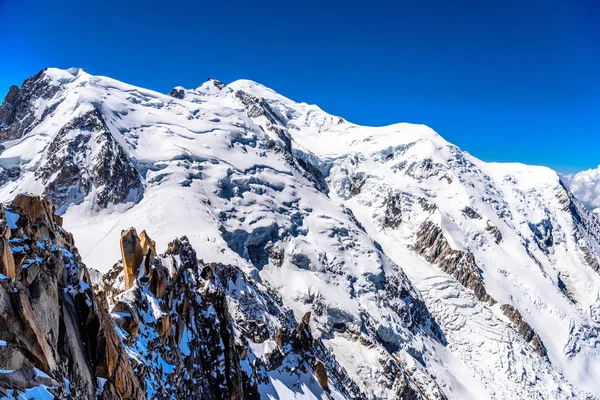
{"points": [[104, 172], [163, 326], [132, 253], [7, 261], [494, 231], [193, 333], [57, 338], [16, 112], [432, 245], [524, 329]]}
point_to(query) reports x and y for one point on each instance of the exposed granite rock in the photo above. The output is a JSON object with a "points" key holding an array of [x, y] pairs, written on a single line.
{"points": [[9, 174], [357, 182], [426, 205], [524, 329], [431, 244], [177, 93], [321, 374], [470, 213], [132, 254], [7, 261], [393, 211], [586, 222], [147, 243], [17, 112], [590, 259], [425, 169], [410, 307], [259, 108], [58, 335], [494, 231], [543, 234], [182, 318]]}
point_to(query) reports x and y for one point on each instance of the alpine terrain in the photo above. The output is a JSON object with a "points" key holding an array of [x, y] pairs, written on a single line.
{"points": [[228, 242]]}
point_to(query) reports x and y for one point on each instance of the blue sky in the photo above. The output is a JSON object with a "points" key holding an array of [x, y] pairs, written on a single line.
{"points": [[506, 81]]}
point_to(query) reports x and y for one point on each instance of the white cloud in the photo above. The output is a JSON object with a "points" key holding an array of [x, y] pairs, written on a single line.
{"points": [[585, 186]]}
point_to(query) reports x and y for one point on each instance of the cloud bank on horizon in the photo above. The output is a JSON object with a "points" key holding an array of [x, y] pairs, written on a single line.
{"points": [[585, 185]]}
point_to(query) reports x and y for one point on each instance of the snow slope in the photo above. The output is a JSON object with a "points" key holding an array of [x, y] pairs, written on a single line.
{"points": [[342, 220]]}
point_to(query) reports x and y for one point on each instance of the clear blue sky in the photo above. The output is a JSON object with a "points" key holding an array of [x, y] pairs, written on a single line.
{"points": [[504, 80]]}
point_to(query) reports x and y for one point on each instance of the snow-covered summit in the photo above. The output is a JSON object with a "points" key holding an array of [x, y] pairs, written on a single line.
{"points": [[423, 266]]}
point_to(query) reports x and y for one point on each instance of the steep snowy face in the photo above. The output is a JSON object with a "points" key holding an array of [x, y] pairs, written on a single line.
{"points": [[71, 154], [512, 241], [586, 186], [217, 164]]}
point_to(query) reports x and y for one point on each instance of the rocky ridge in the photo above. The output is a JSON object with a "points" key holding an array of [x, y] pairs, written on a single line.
{"points": [[57, 338], [183, 329]]}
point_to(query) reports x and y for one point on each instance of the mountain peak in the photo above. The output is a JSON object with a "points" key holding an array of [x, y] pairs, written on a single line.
{"points": [[258, 90], [63, 76]]}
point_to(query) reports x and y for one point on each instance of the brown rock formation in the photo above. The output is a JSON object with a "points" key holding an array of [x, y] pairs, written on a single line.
{"points": [[321, 374], [7, 261], [494, 231], [147, 243], [132, 253], [432, 245], [184, 315], [524, 329], [55, 328], [590, 259]]}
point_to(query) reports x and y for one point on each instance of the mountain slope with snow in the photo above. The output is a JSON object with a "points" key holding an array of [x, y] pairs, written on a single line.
{"points": [[427, 270]]}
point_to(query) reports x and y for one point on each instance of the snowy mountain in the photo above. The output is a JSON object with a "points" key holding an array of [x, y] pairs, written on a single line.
{"points": [[427, 272]]}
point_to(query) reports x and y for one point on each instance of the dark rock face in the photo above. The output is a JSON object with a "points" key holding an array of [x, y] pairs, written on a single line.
{"points": [[590, 259], [524, 329], [256, 107], [411, 307], [9, 174], [177, 93], [426, 169], [393, 211], [470, 213], [17, 116], [494, 231], [58, 336], [68, 174], [587, 226], [542, 234], [432, 245]]}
